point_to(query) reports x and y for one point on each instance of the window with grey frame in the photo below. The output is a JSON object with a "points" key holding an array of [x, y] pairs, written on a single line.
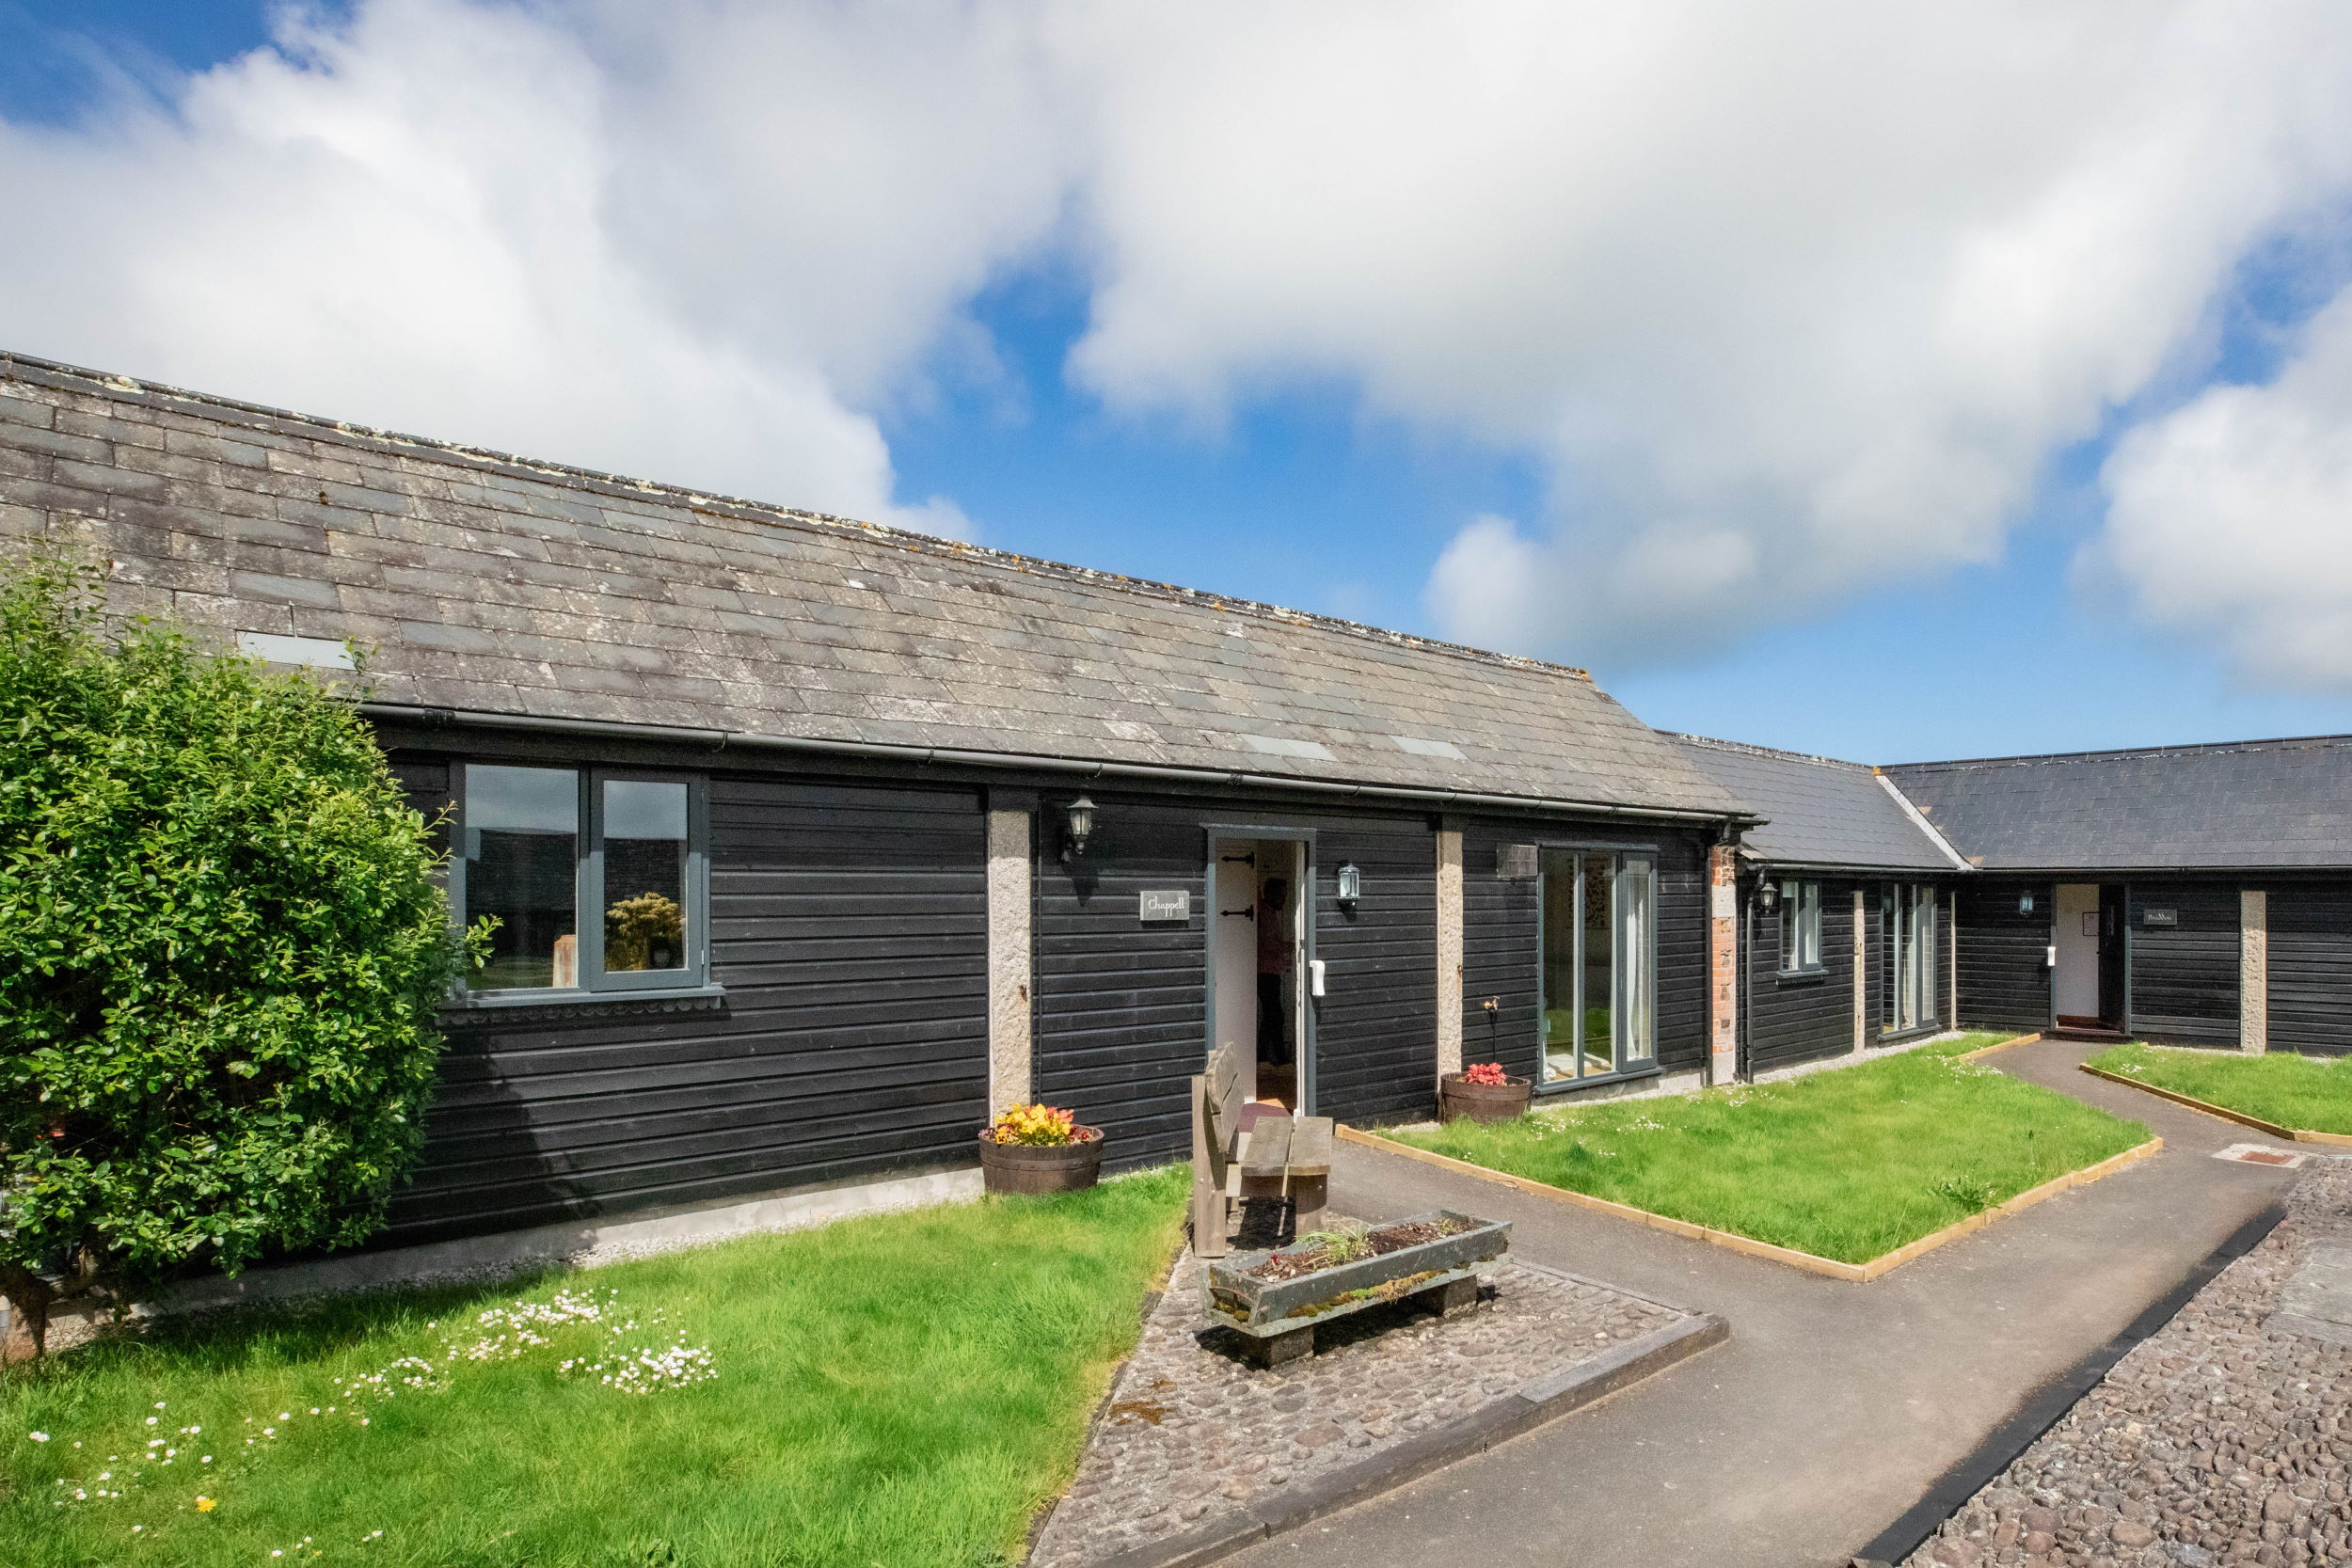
{"points": [[1598, 1016], [1907, 920], [541, 845], [1800, 927]]}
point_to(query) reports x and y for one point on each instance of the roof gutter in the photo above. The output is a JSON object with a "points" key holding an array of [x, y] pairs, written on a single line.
{"points": [[1825, 868], [925, 756]]}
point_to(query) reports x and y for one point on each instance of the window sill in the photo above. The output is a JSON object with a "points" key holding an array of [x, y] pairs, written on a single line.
{"points": [[477, 1008], [1571, 1085], [1921, 1032], [1800, 977]]}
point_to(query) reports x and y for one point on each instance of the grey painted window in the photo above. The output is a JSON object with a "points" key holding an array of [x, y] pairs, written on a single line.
{"points": [[542, 844], [1599, 964], [1907, 917]]}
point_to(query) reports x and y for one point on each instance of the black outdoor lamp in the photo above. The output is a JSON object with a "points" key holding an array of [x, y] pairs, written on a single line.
{"points": [[1351, 883], [1077, 826], [1767, 894], [2025, 903]]}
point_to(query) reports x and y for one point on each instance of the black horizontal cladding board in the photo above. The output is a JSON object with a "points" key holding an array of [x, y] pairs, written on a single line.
{"points": [[1377, 1023], [849, 926], [1119, 1015], [2004, 954], [426, 782], [1120, 1020], [2183, 980], [2311, 968], [1794, 1019], [1500, 939], [1682, 945]]}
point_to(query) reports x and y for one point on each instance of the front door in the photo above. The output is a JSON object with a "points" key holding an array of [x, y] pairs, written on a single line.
{"points": [[1262, 898], [2076, 985]]}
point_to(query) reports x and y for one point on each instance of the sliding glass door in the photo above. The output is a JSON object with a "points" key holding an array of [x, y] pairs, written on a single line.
{"points": [[1600, 945], [1907, 913]]}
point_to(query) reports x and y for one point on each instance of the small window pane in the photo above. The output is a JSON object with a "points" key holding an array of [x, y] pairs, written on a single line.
{"points": [[1636, 906], [1559, 965], [1599, 1018], [523, 861], [644, 874]]}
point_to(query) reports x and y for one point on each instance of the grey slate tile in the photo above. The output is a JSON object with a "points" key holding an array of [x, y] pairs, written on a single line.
{"points": [[580, 596]]}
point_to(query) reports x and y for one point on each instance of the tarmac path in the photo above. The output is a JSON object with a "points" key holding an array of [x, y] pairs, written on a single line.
{"points": [[1835, 1409]]}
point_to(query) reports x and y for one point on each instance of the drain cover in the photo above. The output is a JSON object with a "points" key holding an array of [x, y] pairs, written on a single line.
{"points": [[2318, 1302], [2261, 1154]]}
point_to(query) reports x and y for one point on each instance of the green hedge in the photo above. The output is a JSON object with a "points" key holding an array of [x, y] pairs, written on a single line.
{"points": [[224, 942]]}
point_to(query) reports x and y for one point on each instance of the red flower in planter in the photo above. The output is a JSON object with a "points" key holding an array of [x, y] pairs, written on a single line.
{"points": [[1486, 1076]]}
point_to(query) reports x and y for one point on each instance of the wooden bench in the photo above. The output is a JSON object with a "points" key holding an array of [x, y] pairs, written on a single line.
{"points": [[1242, 1151]]}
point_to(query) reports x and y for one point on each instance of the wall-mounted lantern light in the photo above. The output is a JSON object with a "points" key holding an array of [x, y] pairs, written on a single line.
{"points": [[1077, 826], [2025, 903], [1767, 894], [1351, 883]]}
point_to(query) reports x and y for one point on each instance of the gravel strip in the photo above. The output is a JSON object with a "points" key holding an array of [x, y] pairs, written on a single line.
{"points": [[2220, 1439], [1190, 1432]]}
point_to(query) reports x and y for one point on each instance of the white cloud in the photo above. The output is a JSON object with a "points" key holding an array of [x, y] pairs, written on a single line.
{"points": [[1795, 299], [697, 254], [2230, 519], [1788, 302]]}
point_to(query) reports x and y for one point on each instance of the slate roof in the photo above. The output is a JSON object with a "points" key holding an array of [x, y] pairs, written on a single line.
{"points": [[1820, 812], [2282, 803], [491, 583]]}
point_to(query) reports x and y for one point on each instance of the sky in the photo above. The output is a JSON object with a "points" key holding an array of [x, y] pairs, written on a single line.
{"points": [[1890, 382]]}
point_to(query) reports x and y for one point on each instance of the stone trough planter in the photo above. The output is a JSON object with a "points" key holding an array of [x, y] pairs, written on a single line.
{"points": [[1280, 1315]]}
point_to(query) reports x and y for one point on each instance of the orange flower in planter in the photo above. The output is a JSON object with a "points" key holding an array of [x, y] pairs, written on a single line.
{"points": [[1486, 1076], [1040, 1126]]}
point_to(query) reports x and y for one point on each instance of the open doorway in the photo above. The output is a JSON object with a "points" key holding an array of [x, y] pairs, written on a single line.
{"points": [[2087, 990], [1261, 900]]}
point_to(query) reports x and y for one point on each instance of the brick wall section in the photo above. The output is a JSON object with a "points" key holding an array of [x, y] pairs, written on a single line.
{"points": [[1722, 965]]}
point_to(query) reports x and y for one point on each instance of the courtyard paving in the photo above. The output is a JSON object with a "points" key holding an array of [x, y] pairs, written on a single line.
{"points": [[1835, 1408], [1192, 1434]]}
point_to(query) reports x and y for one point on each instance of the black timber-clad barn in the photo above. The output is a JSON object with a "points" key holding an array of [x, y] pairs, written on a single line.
{"points": [[809, 842], [1846, 912], [2198, 895]]}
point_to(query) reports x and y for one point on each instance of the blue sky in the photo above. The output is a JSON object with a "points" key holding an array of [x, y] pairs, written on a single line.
{"points": [[1305, 488]]}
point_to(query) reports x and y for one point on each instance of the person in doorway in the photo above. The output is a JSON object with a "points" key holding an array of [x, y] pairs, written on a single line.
{"points": [[1274, 967]]}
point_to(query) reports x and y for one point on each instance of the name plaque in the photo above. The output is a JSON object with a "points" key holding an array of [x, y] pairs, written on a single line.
{"points": [[1165, 904]]}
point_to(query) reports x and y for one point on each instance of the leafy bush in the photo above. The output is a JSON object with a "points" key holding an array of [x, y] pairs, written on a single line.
{"points": [[221, 949]]}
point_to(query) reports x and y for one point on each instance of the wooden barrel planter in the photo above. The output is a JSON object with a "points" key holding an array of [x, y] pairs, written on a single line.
{"points": [[1043, 1168], [1501, 1101]]}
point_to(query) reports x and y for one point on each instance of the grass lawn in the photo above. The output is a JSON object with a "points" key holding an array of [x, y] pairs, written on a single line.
{"points": [[904, 1391], [1846, 1163], [2312, 1093]]}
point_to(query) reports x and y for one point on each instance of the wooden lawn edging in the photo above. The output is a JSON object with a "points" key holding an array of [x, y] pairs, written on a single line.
{"points": [[2292, 1135], [1858, 1273], [1998, 1045]]}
